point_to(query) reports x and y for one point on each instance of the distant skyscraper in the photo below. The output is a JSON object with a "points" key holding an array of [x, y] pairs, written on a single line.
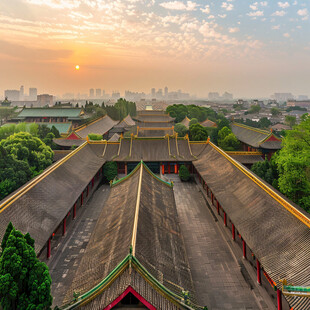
{"points": [[98, 92], [33, 93], [12, 95], [153, 92], [21, 93], [228, 96], [91, 93], [166, 92], [213, 96], [159, 93]]}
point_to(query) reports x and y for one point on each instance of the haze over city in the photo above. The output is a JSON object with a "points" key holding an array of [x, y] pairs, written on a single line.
{"points": [[248, 48]]}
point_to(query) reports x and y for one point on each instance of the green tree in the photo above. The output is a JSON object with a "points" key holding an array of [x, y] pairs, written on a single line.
{"points": [[55, 132], [193, 121], [180, 129], [275, 111], [293, 163], [264, 123], [25, 282], [267, 170], [198, 133], [184, 173], [227, 140], [255, 108], [110, 170], [43, 130], [290, 120]]}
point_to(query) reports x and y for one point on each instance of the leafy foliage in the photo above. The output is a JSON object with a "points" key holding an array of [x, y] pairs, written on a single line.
{"points": [[180, 129], [110, 170], [290, 120], [180, 111], [25, 282], [22, 157], [184, 173], [267, 170], [293, 163], [275, 111], [193, 121], [255, 108], [94, 136], [263, 123], [121, 109], [198, 133], [227, 140]]}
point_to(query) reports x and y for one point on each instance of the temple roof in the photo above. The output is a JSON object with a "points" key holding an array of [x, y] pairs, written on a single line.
{"points": [[246, 157], [40, 205], [140, 214], [185, 122], [208, 123], [98, 126], [126, 122], [255, 137], [274, 228], [74, 113]]}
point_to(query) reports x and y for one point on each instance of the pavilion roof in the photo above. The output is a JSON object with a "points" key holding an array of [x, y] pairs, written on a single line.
{"points": [[51, 112], [126, 122], [98, 126], [40, 205], [208, 123], [275, 229], [255, 137], [185, 122], [131, 230]]}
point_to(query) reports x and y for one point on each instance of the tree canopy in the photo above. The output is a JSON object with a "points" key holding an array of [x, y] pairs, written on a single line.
{"points": [[184, 173], [22, 157], [227, 140], [25, 282], [110, 170], [180, 129], [293, 163], [198, 133], [193, 121]]}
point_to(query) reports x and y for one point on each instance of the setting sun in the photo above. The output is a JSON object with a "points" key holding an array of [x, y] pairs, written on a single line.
{"points": [[77, 67]]}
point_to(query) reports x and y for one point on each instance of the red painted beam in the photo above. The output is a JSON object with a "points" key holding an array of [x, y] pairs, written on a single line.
{"points": [[233, 231], [259, 278], [244, 248], [279, 299], [48, 254]]}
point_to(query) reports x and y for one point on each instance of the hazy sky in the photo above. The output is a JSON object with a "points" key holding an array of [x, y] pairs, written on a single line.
{"points": [[249, 48]]}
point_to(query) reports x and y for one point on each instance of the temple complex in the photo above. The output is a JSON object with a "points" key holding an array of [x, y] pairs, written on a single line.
{"points": [[144, 249]]}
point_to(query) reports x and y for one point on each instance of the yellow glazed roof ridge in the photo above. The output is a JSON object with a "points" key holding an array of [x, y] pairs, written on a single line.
{"points": [[38, 179], [252, 128], [290, 208]]}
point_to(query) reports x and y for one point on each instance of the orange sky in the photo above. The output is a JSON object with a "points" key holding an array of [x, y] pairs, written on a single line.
{"points": [[139, 44]]}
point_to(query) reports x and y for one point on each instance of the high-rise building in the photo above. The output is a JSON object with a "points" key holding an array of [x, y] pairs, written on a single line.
{"points": [[98, 92], [166, 92], [12, 94], [214, 96], [153, 92], [227, 96], [33, 93], [21, 93], [91, 93], [45, 100]]}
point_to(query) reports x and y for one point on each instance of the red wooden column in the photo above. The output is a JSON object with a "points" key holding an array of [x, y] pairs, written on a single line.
{"points": [[125, 168], [92, 182], [87, 191], [218, 207], [64, 225], [259, 278], [163, 169], [74, 211], [178, 167], [244, 248], [279, 299], [233, 231], [225, 219], [175, 168], [48, 254]]}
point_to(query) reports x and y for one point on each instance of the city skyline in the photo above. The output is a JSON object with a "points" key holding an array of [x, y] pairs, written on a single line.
{"points": [[250, 49]]}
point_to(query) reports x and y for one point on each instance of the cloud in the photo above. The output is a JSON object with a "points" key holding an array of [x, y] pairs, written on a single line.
{"points": [[283, 5], [302, 12], [222, 15], [286, 35], [227, 6], [264, 3], [278, 13], [276, 27], [233, 30], [256, 14], [179, 6], [206, 9], [254, 6]]}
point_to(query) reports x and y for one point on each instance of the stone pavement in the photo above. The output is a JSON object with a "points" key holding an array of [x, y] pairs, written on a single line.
{"points": [[218, 281], [67, 254]]}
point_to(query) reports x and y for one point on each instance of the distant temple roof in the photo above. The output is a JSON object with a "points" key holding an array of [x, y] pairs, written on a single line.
{"points": [[156, 267], [70, 113], [185, 122], [98, 126], [255, 137], [208, 123]]}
